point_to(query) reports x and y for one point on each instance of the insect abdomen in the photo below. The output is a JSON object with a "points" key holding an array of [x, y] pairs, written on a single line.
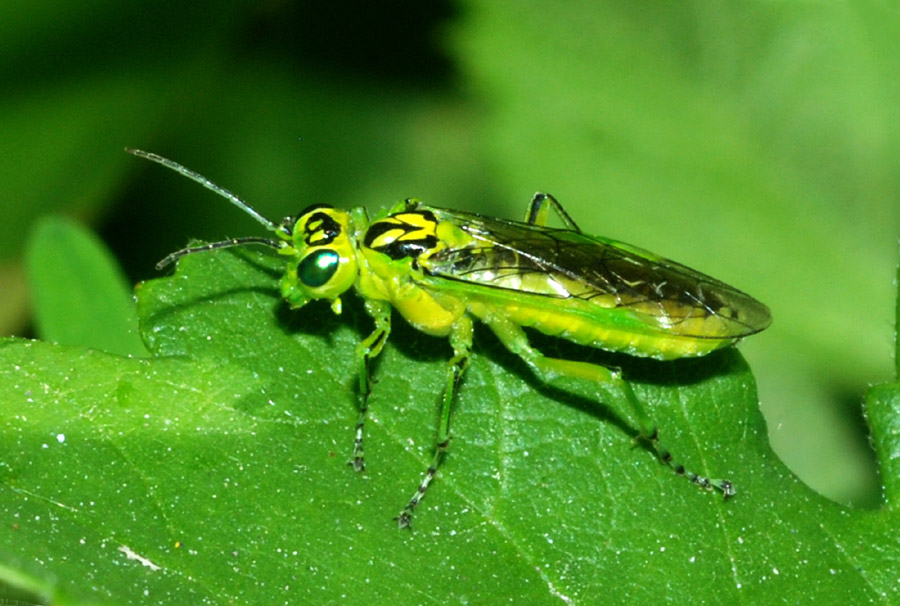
{"points": [[586, 324]]}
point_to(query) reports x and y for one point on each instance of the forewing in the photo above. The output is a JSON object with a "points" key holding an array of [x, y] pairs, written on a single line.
{"points": [[567, 264]]}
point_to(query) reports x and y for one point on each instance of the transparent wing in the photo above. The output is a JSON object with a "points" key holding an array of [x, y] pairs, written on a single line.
{"points": [[568, 264]]}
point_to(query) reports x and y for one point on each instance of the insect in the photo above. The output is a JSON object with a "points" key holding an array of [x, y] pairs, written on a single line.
{"points": [[442, 269]]}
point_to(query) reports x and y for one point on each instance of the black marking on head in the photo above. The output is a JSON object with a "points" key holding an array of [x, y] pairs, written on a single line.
{"points": [[321, 229]]}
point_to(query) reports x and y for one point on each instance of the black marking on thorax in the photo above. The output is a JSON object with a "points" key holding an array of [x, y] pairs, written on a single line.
{"points": [[403, 235]]}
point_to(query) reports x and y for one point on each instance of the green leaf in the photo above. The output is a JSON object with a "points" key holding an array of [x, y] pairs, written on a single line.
{"points": [[80, 295], [216, 472]]}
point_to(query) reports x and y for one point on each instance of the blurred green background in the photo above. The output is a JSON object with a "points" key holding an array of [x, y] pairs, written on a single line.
{"points": [[756, 141]]}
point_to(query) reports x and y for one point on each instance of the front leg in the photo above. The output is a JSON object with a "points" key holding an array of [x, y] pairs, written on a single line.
{"points": [[380, 311]]}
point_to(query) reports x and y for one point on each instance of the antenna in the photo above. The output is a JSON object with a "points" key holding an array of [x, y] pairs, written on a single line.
{"points": [[195, 176], [171, 257], [233, 198]]}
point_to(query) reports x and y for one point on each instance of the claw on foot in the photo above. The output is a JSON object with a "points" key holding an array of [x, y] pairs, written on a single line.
{"points": [[357, 463]]}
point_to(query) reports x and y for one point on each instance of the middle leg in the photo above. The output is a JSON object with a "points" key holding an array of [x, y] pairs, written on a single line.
{"points": [[461, 341]]}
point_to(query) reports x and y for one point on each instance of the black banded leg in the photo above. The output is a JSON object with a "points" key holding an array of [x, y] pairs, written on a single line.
{"points": [[540, 207], [365, 352], [548, 369], [461, 340], [650, 432]]}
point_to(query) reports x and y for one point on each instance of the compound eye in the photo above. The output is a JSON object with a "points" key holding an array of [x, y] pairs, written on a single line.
{"points": [[317, 268]]}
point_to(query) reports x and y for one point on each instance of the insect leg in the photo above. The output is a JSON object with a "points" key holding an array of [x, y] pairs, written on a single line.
{"points": [[370, 347], [540, 207], [548, 369], [650, 432], [461, 341]]}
